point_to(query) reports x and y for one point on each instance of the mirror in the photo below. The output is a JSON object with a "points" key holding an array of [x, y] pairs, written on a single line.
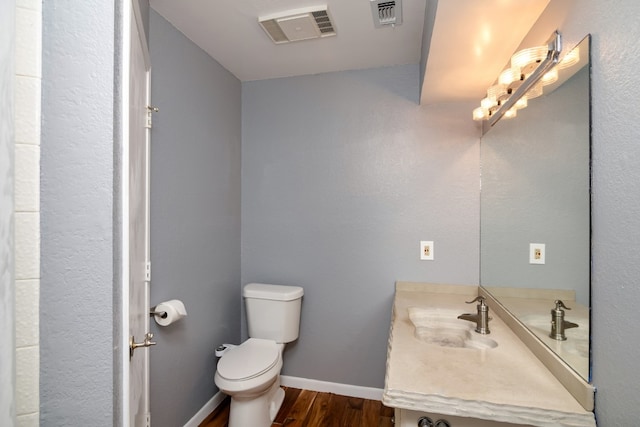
{"points": [[535, 189]]}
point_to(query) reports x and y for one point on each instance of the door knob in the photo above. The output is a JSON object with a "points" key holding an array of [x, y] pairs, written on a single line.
{"points": [[146, 343]]}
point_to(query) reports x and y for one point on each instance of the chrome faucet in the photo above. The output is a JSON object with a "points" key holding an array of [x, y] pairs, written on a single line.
{"points": [[481, 318], [558, 324]]}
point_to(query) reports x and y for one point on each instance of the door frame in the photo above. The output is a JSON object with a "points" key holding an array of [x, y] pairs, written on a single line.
{"points": [[130, 13]]}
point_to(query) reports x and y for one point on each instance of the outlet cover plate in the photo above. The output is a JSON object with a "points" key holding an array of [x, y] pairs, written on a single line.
{"points": [[536, 253], [426, 250]]}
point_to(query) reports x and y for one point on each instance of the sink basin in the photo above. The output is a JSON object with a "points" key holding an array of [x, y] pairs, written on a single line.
{"points": [[444, 329], [577, 338]]}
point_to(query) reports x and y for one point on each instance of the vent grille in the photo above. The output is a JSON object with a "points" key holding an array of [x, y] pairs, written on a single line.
{"points": [[323, 21], [386, 12], [299, 24]]}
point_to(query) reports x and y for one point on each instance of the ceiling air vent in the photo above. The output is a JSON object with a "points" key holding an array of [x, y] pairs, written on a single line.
{"points": [[298, 24], [386, 12]]}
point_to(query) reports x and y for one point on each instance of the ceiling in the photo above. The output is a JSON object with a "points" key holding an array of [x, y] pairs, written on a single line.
{"points": [[470, 41]]}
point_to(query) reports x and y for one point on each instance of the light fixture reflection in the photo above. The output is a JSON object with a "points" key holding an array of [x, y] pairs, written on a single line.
{"points": [[570, 59]]}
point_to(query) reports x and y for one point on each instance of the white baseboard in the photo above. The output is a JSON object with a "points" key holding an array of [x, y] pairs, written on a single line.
{"points": [[327, 387], [207, 409], [295, 382]]}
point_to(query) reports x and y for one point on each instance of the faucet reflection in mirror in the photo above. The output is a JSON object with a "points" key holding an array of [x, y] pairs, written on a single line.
{"points": [[530, 70]]}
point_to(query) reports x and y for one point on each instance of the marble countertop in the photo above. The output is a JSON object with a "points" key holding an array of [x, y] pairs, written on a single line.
{"points": [[507, 383]]}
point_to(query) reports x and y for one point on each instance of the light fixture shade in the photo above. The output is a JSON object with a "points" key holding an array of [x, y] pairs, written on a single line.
{"points": [[480, 114], [570, 59], [527, 59], [530, 69], [549, 77], [497, 91], [511, 113], [488, 103], [521, 103], [509, 76]]}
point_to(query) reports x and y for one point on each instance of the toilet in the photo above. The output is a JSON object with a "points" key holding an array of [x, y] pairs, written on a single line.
{"points": [[250, 372]]}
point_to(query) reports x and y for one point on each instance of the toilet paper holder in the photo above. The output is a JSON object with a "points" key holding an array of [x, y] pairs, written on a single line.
{"points": [[153, 312], [168, 312]]}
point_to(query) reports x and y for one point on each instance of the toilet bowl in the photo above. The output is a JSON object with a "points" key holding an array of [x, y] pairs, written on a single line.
{"points": [[250, 372]]}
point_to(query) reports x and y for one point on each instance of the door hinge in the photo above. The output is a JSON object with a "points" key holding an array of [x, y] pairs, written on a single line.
{"points": [[148, 419], [150, 110], [147, 271]]}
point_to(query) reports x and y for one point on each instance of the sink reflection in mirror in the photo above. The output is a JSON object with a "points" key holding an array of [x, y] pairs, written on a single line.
{"points": [[442, 328]]}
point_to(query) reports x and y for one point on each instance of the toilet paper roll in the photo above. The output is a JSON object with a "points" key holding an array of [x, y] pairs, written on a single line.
{"points": [[174, 310]]}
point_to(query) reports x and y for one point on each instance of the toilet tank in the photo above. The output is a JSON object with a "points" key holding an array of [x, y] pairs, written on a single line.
{"points": [[273, 311]]}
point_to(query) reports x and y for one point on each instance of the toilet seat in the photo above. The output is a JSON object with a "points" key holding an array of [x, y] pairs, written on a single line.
{"points": [[249, 360]]}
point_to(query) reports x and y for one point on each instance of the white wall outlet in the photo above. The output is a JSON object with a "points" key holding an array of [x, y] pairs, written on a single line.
{"points": [[536, 253], [426, 250]]}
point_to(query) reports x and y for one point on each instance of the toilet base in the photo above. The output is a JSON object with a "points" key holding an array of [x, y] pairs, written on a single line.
{"points": [[256, 411]]}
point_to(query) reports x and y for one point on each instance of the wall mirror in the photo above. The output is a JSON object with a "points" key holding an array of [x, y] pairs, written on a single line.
{"points": [[535, 189]]}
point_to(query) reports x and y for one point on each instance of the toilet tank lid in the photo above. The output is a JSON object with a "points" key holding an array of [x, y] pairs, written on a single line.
{"points": [[272, 292]]}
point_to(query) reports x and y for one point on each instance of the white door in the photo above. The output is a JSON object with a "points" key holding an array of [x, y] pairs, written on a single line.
{"points": [[138, 223]]}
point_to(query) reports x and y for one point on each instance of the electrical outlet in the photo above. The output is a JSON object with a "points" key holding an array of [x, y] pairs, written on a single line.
{"points": [[536, 253], [426, 250]]}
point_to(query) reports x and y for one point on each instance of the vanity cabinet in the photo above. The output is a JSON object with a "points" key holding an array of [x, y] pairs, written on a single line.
{"points": [[408, 418]]}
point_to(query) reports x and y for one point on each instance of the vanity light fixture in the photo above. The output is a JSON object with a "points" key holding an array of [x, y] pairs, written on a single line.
{"points": [[529, 71]]}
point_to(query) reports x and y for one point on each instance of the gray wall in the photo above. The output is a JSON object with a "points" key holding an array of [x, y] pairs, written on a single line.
{"points": [[195, 219], [77, 192], [7, 296], [616, 205], [535, 189], [343, 174]]}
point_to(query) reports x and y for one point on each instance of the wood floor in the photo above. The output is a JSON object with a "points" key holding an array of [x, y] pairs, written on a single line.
{"points": [[304, 408]]}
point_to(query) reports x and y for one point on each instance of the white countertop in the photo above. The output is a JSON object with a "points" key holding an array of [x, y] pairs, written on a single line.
{"points": [[507, 383]]}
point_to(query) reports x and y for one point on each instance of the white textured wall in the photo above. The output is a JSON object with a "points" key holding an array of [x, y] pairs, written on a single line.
{"points": [[27, 207]]}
